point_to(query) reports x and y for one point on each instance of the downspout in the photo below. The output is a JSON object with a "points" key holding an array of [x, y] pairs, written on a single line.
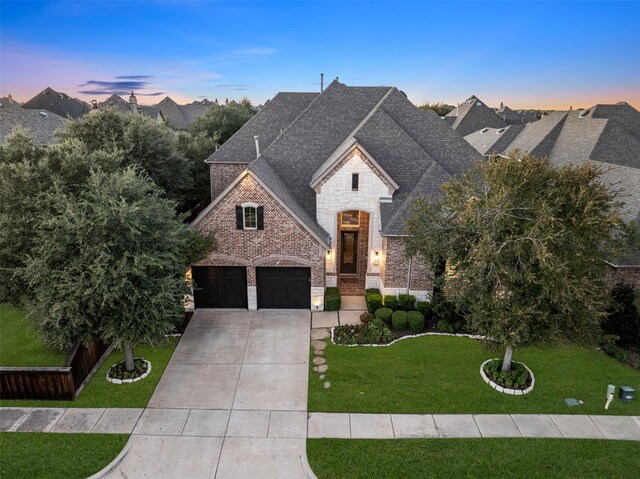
{"points": [[409, 274]]}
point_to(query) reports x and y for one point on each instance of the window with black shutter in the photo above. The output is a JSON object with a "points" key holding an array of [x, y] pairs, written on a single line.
{"points": [[354, 181], [249, 216]]}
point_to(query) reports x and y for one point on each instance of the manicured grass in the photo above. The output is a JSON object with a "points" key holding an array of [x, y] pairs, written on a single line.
{"points": [[440, 374], [49, 456], [100, 393], [473, 458], [20, 344]]}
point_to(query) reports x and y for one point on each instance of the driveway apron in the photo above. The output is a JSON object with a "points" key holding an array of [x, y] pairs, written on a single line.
{"points": [[232, 401]]}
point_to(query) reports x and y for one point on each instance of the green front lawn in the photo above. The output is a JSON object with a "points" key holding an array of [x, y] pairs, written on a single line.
{"points": [[20, 344], [473, 458], [101, 393], [53, 456], [440, 374]]}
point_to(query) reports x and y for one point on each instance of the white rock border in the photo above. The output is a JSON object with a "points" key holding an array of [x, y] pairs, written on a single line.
{"points": [[500, 389], [128, 381], [459, 335]]}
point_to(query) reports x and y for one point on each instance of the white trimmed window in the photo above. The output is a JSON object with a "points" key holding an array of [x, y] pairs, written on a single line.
{"points": [[250, 216]]}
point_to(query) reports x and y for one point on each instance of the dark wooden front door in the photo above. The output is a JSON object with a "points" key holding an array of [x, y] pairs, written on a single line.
{"points": [[283, 288], [220, 286], [348, 252]]}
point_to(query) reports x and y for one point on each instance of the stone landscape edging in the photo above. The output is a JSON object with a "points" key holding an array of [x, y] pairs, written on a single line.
{"points": [[500, 389], [460, 335], [132, 380]]}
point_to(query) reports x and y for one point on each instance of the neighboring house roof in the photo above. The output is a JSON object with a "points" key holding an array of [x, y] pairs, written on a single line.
{"points": [[511, 117], [268, 123], [117, 103], [58, 103], [5, 100], [41, 125], [537, 138], [472, 115], [179, 116], [414, 148], [493, 141]]}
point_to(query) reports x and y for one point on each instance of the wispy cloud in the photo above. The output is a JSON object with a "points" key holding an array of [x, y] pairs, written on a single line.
{"points": [[100, 87], [232, 85], [134, 77]]}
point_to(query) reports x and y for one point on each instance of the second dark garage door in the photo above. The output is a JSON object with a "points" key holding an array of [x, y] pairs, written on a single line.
{"points": [[284, 288]]}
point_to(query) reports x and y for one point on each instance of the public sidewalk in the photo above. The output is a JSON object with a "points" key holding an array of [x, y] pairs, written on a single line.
{"points": [[405, 426]]}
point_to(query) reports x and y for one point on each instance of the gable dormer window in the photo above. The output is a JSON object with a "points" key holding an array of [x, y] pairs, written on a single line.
{"points": [[249, 216], [355, 177]]}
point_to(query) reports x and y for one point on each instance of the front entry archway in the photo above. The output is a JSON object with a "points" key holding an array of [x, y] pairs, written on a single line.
{"points": [[353, 251]]}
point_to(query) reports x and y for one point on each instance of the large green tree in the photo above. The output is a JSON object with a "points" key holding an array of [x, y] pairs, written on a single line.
{"points": [[110, 263], [527, 241], [27, 173], [221, 122]]}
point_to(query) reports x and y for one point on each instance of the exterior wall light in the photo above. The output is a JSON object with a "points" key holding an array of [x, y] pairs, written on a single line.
{"points": [[376, 258], [328, 255], [316, 303]]}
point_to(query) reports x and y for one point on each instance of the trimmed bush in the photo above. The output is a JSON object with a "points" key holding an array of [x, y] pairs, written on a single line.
{"points": [[384, 314], [373, 299], [391, 302], [331, 290], [517, 378], [406, 302], [399, 320], [444, 326], [366, 317], [332, 302], [415, 320], [425, 308]]}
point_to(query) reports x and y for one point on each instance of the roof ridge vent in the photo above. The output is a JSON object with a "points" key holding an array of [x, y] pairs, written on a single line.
{"points": [[584, 113], [500, 130], [44, 114], [484, 130]]}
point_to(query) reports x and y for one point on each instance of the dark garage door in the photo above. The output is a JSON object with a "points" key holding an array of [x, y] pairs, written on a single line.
{"points": [[284, 288], [220, 286]]}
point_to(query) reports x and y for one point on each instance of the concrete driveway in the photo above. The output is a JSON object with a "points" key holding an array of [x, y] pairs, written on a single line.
{"points": [[231, 403]]}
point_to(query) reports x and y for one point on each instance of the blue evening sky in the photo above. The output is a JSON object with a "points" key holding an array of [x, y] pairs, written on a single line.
{"points": [[527, 54]]}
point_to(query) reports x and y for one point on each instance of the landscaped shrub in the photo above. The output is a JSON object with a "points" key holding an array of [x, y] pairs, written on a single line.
{"points": [[406, 302], [332, 302], [374, 332], [425, 308], [366, 317], [444, 326], [517, 378], [331, 290], [624, 318], [399, 320], [384, 314], [415, 320], [391, 302], [373, 299]]}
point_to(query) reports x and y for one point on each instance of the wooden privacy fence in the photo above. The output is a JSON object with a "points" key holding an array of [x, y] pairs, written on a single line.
{"points": [[54, 383]]}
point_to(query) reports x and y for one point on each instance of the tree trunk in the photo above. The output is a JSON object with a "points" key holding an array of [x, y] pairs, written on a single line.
{"points": [[506, 362], [128, 357]]}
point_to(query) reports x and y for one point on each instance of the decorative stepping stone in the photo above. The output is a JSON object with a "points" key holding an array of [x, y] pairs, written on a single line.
{"points": [[319, 353], [321, 377], [326, 385], [319, 345], [315, 369], [321, 333], [318, 360], [322, 368]]}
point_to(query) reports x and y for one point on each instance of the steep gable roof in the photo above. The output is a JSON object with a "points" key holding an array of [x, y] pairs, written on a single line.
{"points": [[115, 102], [59, 103], [493, 141], [537, 138], [40, 125], [473, 115], [268, 123]]}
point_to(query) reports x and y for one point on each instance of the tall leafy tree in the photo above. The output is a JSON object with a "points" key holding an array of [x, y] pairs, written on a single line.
{"points": [[221, 122], [110, 263], [527, 242]]}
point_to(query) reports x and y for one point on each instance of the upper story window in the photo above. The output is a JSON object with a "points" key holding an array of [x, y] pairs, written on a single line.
{"points": [[354, 181], [350, 218], [249, 216]]}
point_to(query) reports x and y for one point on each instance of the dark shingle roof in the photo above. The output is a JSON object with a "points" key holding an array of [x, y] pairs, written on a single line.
{"points": [[406, 142], [115, 102], [40, 125], [473, 115], [268, 123], [538, 137], [493, 141], [58, 103]]}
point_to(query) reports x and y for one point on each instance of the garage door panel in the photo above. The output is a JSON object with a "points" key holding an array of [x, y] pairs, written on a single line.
{"points": [[283, 288], [220, 286]]}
